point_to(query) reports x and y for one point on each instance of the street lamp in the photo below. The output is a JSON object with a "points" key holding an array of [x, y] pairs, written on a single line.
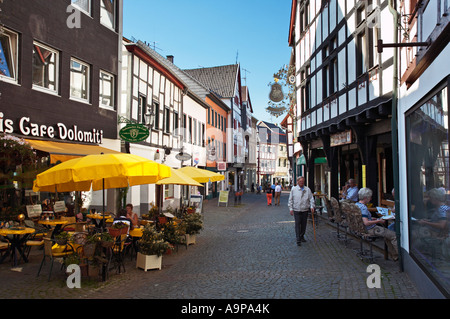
{"points": [[149, 119]]}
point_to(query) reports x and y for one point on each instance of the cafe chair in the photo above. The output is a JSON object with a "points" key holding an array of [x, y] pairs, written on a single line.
{"points": [[36, 240], [53, 253], [330, 212], [357, 229], [339, 219], [4, 247], [41, 231], [118, 252], [71, 225]]}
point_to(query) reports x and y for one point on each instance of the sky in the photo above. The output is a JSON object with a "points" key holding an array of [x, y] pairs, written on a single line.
{"points": [[208, 33]]}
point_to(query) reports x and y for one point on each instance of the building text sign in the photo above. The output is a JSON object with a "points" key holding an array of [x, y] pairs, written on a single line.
{"points": [[27, 127], [342, 138]]}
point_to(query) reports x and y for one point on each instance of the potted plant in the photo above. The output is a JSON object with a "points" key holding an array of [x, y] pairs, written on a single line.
{"points": [[90, 245], [151, 248], [118, 229], [106, 240], [192, 224], [72, 259], [62, 238], [174, 232]]}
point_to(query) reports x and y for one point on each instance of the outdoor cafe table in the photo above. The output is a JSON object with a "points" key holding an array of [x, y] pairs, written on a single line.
{"points": [[135, 234], [57, 223], [19, 237], [98, 219]]}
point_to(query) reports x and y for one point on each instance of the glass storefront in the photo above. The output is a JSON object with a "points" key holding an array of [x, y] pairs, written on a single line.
{"points": [[429, 186]]}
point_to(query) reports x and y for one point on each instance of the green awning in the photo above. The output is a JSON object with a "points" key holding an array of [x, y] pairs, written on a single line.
{"points": [[301, 160], [320, 160]]}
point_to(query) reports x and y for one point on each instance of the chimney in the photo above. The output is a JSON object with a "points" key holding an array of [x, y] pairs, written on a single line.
{"points": [[170, 58]]}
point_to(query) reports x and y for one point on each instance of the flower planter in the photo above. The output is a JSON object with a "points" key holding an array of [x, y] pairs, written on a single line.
{"points": [[148, 261], [107, 244], [190, 239], [114, 232], [89, 250], [93, 270], [61, 241]]}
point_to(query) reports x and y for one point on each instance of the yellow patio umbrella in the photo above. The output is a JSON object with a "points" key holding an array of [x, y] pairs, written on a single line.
{"points": [[201, 175], [101, 172], [178, 178]]}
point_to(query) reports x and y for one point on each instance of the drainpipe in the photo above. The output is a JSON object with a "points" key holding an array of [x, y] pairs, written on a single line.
{"points": [[394, 126]]}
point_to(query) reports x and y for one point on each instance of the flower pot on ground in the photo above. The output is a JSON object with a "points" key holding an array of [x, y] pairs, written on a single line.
{"points": [[174, 232], [190, 239], [192, 223], [90, 246], [147, 262], [93, 270], [151, 248]]}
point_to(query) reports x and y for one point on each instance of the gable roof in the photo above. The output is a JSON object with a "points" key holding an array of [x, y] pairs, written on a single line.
{"points": [[219, 79], [246, 97], [273, 133]]}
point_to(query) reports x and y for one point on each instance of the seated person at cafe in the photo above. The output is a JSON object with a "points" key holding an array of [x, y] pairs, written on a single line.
{"points": [[350, 191], [437, 222], [123, 219], [365, 196], [132, 215]]}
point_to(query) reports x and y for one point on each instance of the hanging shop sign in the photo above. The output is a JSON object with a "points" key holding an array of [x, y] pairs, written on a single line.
{"points": [[183, 156], [27, 127], [341, 138], [134, 133], [221, 166]]}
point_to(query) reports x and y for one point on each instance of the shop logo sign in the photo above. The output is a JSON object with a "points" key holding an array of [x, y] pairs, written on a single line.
{"points": [[74, 19], [74, 277], [134, 133], [374, 279]]}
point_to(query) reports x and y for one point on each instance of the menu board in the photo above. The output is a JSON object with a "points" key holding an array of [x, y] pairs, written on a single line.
{"points": [[223, 197], [59, 207], [197, 201], [34, 210]]}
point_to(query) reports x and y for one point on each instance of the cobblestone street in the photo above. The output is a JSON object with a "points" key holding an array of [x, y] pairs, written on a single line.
{"points": [[245, 252]]}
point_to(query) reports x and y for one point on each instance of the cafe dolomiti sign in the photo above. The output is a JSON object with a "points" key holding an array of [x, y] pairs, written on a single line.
{"points": [[27, 127]]}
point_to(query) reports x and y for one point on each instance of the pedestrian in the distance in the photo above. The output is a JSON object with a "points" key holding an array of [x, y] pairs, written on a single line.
{"points": [[269, 196], [301, 202], [277, 194]]}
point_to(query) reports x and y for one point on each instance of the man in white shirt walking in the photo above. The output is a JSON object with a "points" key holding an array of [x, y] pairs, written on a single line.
{"points": [[301, 202], [277, 194]]}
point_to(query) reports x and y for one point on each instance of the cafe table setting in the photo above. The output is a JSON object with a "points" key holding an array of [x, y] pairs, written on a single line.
{"points": [[17, 237]]}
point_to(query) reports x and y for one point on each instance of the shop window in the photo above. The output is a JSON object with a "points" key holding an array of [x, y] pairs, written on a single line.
{"points": [[8, 54], [142, 108], [429, 186], [106, 93], [108, 13], [166, 120], [168, 191], [156, 114], [79, 80], [45, 68], [175, 123]]}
